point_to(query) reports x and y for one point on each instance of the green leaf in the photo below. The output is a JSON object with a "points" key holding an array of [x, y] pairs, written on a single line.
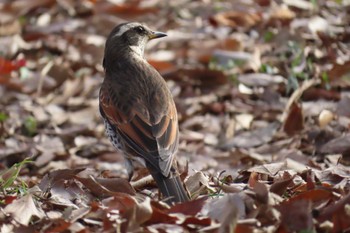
{"points": [[267, 69], [307, 231], [302, 75], [292, 83], [314, 3], [325, 79], [268, 36], [30, 125], [24, 73], [8, 177], [213, 63], [3, 117]]}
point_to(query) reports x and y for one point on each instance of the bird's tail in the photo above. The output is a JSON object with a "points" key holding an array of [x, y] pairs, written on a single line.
{"points": [[171, 187]]}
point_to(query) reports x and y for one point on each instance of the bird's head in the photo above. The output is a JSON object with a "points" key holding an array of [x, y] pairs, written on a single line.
{"points": [[131, 36]]}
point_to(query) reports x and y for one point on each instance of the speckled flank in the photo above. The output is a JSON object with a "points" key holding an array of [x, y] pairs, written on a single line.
{"points": [[113, 136]]}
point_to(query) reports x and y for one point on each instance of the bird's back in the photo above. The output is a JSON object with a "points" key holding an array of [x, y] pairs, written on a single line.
{"points": [[144, 88]]}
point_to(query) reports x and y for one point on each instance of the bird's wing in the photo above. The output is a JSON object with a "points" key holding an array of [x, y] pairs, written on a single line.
{"points": [[156, 142]]}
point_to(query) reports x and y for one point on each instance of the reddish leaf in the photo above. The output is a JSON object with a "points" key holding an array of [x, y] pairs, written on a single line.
{"points": [[59, 226], [199, 77], [106, 187], [279, 187], [10, 199], [310, 180], [64, 174], [338, 214], [127, 9], [296, 215], [253, 178], [160, 216], [295, 120], [189, 208], [338, 71], [161, 66], [6, 81], [120, 202], [315, 195], [236, 19], [317, 93], [241, 228], [197, 221], [261, 192], [7, 66]]}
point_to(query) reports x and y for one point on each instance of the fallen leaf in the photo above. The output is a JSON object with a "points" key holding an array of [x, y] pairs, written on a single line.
{"points": [[102, 187], [237, 19], [315, 195], [204, 78], [294, 121], [342, 106], [260, 79], [268, 169], [23, 209], [337, 146], [192, 207], [301, 4], [126, 9], [252, 138], [7, 66], [338, 71], [337, 213], [227, 210], [197, 184], [296, 215], [160, 215], [280, 186]]}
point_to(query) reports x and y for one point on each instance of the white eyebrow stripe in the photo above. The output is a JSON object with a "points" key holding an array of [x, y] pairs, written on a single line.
{"points": [[125, 28]]}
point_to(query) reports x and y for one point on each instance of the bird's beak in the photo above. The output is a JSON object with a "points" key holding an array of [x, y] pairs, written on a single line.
{"points": [[155, 35]]}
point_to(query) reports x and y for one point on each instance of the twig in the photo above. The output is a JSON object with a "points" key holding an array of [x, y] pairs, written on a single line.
{"points": [[297, 95], [43, 73], [142, 182]]}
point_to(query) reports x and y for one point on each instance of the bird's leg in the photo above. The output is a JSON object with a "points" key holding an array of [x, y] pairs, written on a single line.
{"points": [[129, 169]]}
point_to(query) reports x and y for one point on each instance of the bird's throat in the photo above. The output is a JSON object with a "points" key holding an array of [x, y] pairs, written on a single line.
{"points": [[137, 51]]}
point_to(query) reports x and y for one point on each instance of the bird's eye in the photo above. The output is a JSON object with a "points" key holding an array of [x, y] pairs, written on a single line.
{"points": [[140, 29]]}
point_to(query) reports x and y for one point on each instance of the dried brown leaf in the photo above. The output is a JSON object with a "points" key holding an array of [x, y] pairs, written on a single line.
{"points": [[189, 208], [101, 187], [23, 209], [237, 19], [294, 122], [299, 210], [280, 186], [253, 138], [227, 210]]}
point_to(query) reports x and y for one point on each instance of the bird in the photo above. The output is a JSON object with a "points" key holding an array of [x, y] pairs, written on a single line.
{"points": [[138, 110]]}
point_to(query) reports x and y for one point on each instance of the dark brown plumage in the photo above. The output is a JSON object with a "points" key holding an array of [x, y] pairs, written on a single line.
{"points": [[138, 109]]}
